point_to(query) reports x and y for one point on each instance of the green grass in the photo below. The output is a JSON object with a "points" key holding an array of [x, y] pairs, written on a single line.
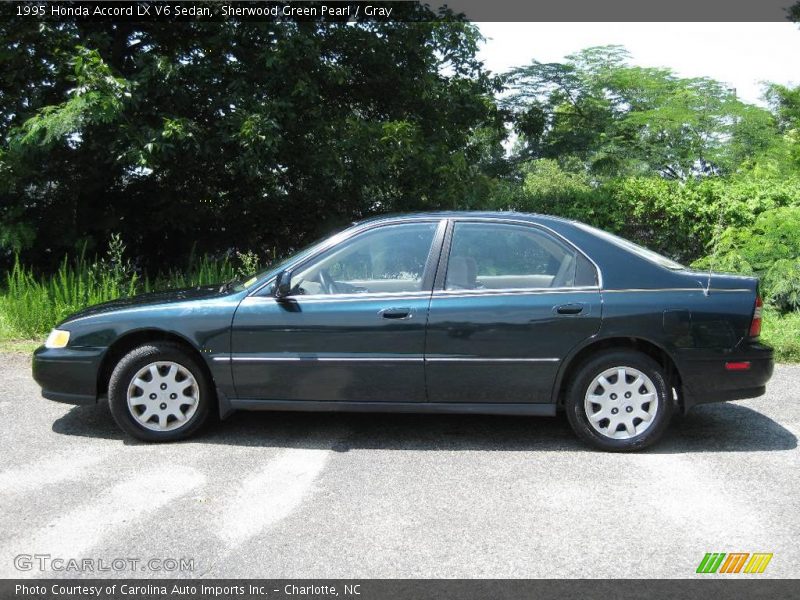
{"points": [[782, 332], [203, 271], [31, 304], [34, 304], [10, 340], [19, 346]]}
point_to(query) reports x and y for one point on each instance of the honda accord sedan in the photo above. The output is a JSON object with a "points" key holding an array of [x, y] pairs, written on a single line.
{"points": [[483, 313]]}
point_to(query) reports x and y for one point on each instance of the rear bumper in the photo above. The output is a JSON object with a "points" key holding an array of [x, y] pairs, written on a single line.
{"points": [[707, 379], [67, 375]]}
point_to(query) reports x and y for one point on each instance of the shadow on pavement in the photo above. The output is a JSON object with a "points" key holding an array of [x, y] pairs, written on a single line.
{"points": [[722, 427]]}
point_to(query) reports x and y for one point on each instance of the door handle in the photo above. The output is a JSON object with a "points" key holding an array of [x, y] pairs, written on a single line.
{"points": [[569, 309], [396, 313]]}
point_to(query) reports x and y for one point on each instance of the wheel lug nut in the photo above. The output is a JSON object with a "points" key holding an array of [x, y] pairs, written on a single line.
{"points": [[152, 396], [628, 409], [163, 386], [614, 411], [627, 394], [163, 405], [173, 396], [613, 396]]}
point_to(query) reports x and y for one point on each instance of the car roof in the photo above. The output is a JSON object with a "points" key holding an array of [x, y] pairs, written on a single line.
{"points": [[453, 214]]}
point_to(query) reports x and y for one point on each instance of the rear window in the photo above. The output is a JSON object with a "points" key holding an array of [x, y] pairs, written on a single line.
{"points": [[653, 257]]}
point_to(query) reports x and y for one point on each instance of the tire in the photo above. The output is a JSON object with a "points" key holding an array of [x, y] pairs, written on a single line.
{"points": [[614, 417], [158, 392]]}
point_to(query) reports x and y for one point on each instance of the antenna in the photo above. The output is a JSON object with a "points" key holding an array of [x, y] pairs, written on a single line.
{"points": [[715, 243]]}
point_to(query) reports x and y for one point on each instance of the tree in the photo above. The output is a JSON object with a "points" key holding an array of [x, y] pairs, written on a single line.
{"points": [[255, 135], [617, 119], [785, 103]]}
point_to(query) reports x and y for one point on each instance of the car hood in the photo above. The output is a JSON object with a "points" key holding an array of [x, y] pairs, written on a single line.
{"points": [[149, 299]]}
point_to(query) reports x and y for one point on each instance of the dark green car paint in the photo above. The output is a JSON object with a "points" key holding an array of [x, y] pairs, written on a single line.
{"points": [[479, 351]]}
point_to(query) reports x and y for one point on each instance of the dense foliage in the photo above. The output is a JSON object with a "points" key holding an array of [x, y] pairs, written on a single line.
{"points": [[768, 248], [249, 135]]}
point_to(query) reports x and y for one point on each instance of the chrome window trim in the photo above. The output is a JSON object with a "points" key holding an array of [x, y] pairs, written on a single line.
{"points": [[377, 296], [367, 296], [513, 291], [701, 290], [489, 293], [511, 221]]}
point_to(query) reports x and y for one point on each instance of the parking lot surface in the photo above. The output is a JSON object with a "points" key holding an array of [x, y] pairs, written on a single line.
{"points": [[286, 495]]}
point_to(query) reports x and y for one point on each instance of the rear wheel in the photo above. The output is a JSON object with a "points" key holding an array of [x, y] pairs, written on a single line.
{"points": [[619, 401], [159, 392]]}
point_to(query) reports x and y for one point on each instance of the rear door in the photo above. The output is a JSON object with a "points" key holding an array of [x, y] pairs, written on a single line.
{"points": [[510, 300]]}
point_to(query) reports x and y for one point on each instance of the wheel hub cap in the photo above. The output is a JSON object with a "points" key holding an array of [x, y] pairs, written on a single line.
{"points": [[163, 396], [621, 403]]}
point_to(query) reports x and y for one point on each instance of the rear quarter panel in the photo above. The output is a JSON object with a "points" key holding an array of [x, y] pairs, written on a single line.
{"points": [[679, 320]]}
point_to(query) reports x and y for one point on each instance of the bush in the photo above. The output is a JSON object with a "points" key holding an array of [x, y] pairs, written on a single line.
{"points": [[248, 264], [781, 284], [676, 218], [770, 249], [680, 219]]}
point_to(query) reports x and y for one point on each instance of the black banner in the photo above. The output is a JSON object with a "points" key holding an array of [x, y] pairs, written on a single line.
{"points": [[390, 589], [406, 10]]}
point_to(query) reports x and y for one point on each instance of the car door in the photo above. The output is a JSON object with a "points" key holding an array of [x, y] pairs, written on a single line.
{"points": [[352, 328], [510, 300]]}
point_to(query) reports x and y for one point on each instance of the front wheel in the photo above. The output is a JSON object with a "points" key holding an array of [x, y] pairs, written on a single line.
{"points": [[619, 401], [158, 393]]}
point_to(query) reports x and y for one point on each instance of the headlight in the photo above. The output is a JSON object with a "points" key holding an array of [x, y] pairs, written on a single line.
{"points": [[58, 338]]}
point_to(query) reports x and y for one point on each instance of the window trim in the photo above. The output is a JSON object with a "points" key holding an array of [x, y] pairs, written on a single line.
{"points": [[434, 252], [441, 273]]}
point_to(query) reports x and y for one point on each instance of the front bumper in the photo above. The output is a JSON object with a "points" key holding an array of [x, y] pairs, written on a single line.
{"points": [[706, 379], [67, 374]]}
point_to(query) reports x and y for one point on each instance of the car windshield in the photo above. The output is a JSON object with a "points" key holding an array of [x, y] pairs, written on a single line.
{"points": [[641, 251]]}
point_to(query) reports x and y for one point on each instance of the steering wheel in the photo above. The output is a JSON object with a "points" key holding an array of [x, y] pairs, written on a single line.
{"points": [[327, 282]]}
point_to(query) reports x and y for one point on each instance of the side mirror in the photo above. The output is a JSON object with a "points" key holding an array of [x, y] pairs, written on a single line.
{"points": [[283, 284]]}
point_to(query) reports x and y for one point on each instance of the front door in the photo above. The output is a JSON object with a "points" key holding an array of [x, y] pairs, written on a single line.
{"points": [[512, 301], [353, 328]]}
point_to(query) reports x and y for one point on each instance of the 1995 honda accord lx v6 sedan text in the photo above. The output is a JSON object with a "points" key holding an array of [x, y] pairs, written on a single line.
{"points": [[490, 313]]}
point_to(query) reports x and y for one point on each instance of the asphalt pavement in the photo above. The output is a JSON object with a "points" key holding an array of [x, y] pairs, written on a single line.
{"points": [[298, 495]]}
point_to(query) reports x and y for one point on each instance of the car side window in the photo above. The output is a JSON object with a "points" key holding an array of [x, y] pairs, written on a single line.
{"points": [[389, 259], [495, 256]]}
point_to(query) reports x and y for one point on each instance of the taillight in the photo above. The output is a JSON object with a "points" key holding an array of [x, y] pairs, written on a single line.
{"points": [[755, 324]]}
